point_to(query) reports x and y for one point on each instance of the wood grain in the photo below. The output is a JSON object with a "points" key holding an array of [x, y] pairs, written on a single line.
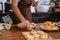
{"points": [[15, 34]]}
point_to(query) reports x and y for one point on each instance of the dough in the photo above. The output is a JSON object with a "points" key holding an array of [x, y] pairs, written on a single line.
{"points": [[44, 36], [33, 32], [7, 26], [26, 33]]}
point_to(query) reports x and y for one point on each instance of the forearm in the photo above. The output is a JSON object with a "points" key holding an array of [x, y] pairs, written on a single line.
{"points": [[18, 13]]}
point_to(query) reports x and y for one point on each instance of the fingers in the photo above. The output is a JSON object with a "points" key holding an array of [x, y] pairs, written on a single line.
{"points": [[28, 25]]}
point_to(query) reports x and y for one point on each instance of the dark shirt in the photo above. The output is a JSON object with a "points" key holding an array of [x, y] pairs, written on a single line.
{"points": [[24, 7], [25, 2]]}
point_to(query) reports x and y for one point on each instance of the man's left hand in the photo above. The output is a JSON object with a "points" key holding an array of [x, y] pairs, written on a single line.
{"points": [[34, 3]]}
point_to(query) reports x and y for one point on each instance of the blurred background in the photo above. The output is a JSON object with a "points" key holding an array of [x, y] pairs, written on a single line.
{"points": [[45, 10]]}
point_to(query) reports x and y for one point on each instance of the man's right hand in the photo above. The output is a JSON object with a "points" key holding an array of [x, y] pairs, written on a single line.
{"points": [[27, 24]]}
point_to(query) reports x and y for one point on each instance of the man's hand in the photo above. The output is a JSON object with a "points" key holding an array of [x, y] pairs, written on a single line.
{"points": [[34, 3], [27, 24]]}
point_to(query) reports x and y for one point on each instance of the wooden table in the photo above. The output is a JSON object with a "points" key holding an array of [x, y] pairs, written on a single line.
{"points": [[11, 35], [15, 34]]}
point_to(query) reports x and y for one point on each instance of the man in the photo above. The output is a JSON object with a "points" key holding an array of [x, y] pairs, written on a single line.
{"points": [[22, 11]]}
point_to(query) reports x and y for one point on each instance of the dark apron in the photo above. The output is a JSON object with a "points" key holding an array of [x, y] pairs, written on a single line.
{"points": [[24, 6]]}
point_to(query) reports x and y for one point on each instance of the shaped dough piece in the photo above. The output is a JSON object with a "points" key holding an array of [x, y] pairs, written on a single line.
{"points": [[7, 26], [29, 37], [26, 33], [44, 36]]}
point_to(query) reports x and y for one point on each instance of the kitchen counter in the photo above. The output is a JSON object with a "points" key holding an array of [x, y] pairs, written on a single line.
{"points": [[15, 34], [55, 35], [11, 35]]}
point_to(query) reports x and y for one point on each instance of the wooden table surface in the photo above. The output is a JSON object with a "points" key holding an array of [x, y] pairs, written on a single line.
{"points": [[15, 34], [11, 35]]}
